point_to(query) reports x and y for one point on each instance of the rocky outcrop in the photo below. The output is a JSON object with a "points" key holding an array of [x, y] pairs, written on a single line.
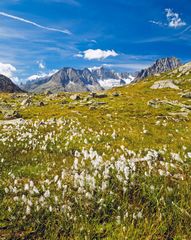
{"points": [[7, 86], [183, 70], [160, 66], [164, 84], [11, 114], [186, 95]]}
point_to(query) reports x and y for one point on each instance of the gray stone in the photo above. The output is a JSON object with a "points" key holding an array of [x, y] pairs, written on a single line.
{"points": [[186, 95], [164, 84], [17, 121], [101, 103], [75, 97], [115, 94], [48, 92], [26, 102], [11, 115], [64, 102], [40, 104], [92, 108], [99, 95], [153, 103]]}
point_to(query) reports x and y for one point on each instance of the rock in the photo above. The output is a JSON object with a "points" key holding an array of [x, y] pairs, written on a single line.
{"points": [[179, 114], [93, 95], [71, 107], [26, 102], [186, 106], [89, 103], [101, 103], [40, 104], [153, 103], [48, 92], [164, 84], [92, 108], [16, 95], [115, 94], [12, 115], [186, 95], [75, 97], [64, 102], [109, 116], [18, 121], [99, 95]]}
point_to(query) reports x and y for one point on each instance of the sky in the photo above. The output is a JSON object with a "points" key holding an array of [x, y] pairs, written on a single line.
{"points": [[38, 37]]}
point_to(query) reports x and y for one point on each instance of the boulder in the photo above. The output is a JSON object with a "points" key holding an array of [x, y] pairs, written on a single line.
{"points": [[153, 103], [101, 103], [26, 102], [40, 104], [11, 115], [64, 102], [115, 94], [48, 92], [186, 95], [164, 84], [99, 95], [75, 97], [92, 108]]}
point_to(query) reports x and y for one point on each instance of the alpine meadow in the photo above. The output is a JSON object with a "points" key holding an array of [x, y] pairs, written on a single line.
{"points": [[95, 120]]}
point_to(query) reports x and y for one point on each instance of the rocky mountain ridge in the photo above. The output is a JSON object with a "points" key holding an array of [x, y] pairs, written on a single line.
{"points": [[6, 85], [160, 66]]}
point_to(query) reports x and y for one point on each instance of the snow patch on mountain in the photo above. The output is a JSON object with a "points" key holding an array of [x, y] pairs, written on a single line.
{"points": [[42, 75]]}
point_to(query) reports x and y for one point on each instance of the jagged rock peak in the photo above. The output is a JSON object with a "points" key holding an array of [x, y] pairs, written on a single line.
{"points": [[160, 66]]}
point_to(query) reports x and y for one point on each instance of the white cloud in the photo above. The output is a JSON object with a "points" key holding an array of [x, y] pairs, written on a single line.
{"points": [[98, 54], [156, 22], [41, 64], [42, 75], [7, 69], [93, 41], [34, 24], [129, 66], [79, 55], [174, 20]]}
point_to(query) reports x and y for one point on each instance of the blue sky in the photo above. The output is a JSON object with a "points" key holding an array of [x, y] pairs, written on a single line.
{"points": [[40, 36]]}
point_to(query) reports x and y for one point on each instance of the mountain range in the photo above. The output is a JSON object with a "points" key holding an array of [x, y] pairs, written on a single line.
{"points": [[88, 79], [74, 80]]}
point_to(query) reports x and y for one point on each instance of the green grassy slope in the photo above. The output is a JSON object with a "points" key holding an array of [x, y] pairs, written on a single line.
{"points": [[79, 170]]}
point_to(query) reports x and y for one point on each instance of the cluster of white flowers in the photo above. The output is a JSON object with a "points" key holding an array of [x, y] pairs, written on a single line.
{"points": [[87, 180]]}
